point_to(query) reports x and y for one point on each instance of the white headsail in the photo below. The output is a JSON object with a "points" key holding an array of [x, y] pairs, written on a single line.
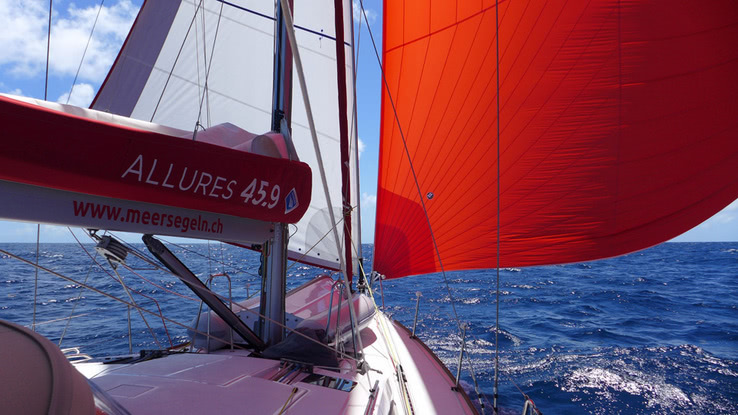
{"points": [[209, 62]]}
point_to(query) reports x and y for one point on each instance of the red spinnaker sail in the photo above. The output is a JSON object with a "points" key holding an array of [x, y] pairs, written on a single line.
{"points": [[618, 129]]}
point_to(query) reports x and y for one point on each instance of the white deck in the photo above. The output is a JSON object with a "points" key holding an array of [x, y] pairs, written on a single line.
{"points": [[235, 382]]}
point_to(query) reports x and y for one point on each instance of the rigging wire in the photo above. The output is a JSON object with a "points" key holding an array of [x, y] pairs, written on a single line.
{"points": [[224, 264], [139, 275], [207, 72], [437, 311], [497, 291], [136, 306], [38, 225], [417, 185], [412, 168], [185, 326], [315, 245], [174, 64], [55, 320], [89, 287], [222, 298], [389, 343], [48, 49], [287, 15], [355, 131], [74, 82], [76, 302], [35, 280], [197, 55]]}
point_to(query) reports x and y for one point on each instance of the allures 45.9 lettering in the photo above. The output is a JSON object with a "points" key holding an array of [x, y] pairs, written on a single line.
{"points": [[184, 179]]}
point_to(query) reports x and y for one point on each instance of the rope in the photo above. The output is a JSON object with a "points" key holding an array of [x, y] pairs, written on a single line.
{"points": [[355, 132], [497, 291], [38, 225], [287, 15], [221, 262], [128, 292], [74, 82], [480, 395], [61, 319], [415, 177], [207, 73], [91, 288], [35, 280], [89, 271], [141, 256], [120, 300], [412, 170], [420, 194], [392, 352], [289, 399], [179, 53], [197, 48], [48, 49], [438, 311], [329, 231]]}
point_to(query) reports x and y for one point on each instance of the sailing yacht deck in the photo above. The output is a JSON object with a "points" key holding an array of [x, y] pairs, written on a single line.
{"points": [[228, 380]]}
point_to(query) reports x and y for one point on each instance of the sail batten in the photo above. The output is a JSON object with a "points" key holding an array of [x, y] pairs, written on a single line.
{"points": [[617, 122]]}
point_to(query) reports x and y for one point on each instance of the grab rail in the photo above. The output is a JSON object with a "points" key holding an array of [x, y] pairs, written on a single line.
{"points": [[530, 407], [337, 334], [230, 302]]}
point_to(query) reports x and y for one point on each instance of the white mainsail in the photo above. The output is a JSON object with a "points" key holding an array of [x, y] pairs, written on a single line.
{"points": [[210, 62]]}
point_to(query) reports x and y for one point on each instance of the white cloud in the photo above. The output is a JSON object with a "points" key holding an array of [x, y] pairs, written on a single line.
{"points": [[82, 96], [727, 215], [371, 15], [24, 35], [16, 91], [723, 226], [362, 146], [24, 28], [367, 200], [69, 36]]}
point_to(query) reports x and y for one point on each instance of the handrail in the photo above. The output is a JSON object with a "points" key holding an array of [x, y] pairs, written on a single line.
{"points": [[230, 302], [130, 297], [529, 408], [338, 331], [417, 307], [74, 355], [373, 394]]}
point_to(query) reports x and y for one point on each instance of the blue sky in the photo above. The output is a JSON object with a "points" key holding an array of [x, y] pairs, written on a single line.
{"points": [[22, 63]]}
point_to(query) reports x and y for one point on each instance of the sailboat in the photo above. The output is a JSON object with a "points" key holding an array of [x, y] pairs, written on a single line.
{"points": [[512, 134]]}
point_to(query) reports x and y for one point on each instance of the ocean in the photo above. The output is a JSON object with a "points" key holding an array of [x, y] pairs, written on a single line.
{"points": [[653, 332]]}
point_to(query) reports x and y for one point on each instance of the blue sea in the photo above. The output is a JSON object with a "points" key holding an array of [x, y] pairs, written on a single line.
{"points": [[654, 332]]}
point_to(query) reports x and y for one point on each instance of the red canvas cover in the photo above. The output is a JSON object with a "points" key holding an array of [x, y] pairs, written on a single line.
{"points": [[52, 149]]}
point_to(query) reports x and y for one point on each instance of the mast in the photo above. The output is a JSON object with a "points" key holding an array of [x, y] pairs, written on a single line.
{"points": [[343, 126], [275, 251]]}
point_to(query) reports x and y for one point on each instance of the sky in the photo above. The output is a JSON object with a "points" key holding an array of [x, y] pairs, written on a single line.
{"points": [[23, 36]]}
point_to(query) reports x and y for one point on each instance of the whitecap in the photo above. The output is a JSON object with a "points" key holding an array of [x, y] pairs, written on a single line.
{"points": [[655, 391]]}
